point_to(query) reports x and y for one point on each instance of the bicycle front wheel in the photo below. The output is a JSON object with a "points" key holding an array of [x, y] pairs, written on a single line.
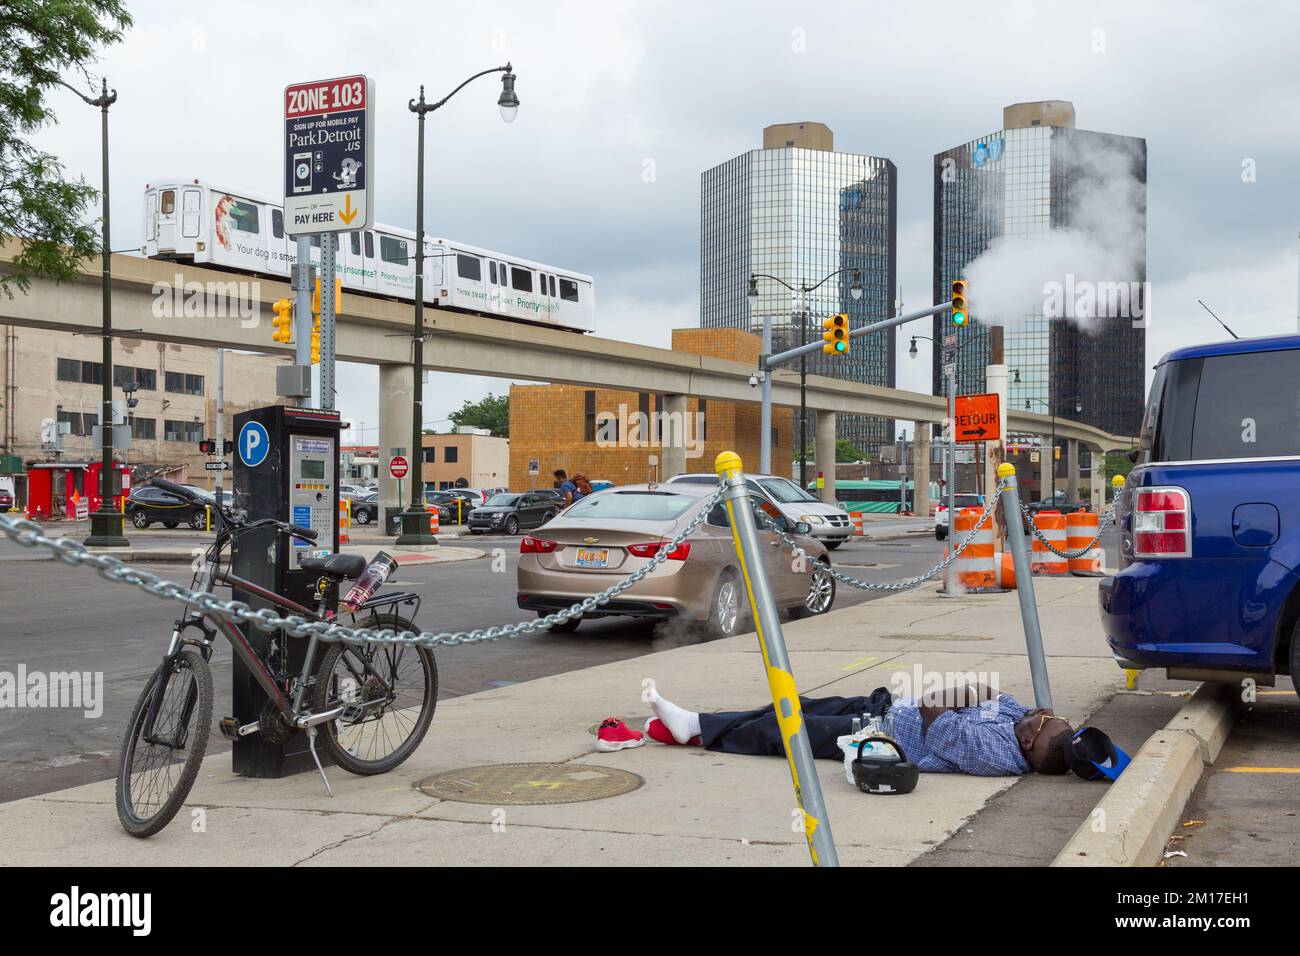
{"points": [[395, 690], [155, 775]]}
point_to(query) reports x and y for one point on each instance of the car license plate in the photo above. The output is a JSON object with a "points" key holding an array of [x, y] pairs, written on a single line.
{"points": [[593, 558]]}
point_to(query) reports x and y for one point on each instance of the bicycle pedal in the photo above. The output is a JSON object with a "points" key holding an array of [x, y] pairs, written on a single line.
{"points": [[229, 728]]}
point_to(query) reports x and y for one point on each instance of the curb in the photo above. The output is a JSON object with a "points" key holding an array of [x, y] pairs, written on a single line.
{"points": [[1132, 823]]}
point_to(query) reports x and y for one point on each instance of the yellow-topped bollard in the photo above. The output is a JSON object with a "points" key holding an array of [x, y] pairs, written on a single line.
{"points": [[1118, 482], [1006, 470], [726, 463]]}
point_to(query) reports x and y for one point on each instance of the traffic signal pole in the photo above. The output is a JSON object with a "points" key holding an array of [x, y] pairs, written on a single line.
{"points": [[789, 355]]}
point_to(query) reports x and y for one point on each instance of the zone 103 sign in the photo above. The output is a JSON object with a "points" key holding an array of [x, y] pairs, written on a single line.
{"points": [[328, 155]]}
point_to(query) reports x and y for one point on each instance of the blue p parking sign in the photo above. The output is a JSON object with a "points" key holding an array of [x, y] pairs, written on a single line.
{"points": [[254, 444]]}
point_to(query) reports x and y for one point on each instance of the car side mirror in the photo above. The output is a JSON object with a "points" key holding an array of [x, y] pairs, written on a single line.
{"points": [[802, 527]]}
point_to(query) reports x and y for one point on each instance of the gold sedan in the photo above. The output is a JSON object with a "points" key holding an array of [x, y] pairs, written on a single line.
{"points": [[609, 535]]}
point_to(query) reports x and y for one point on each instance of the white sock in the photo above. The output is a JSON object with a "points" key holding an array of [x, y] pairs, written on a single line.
{"points": [[683, 724]]}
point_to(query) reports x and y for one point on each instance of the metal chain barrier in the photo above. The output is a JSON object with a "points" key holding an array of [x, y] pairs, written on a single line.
{"points": [[908, 583], [1102, 525], [29, 534]]}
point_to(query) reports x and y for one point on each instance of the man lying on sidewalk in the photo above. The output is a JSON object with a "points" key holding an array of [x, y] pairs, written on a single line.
{"points": [[963, 729]]}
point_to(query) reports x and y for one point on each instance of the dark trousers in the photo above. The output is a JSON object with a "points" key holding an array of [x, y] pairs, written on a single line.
{"points": [[757, 731]]}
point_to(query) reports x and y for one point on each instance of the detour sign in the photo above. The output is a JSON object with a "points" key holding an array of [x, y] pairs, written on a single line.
{"points": [[977, 418]]}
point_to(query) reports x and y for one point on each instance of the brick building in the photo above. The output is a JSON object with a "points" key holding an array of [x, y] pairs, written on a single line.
{"points": [[612, 434]]}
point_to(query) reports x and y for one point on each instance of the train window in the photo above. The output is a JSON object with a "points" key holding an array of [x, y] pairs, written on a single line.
{"points": [[492, 272], [244, 216], [277, 223], [370, 245], [521, 279], [392, 250], [354, 243], [552, 280], [469, 267], [568, 290], [168, 202]]}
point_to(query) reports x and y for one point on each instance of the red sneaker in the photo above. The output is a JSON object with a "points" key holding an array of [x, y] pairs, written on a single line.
{"points": [[616, 735], [655, 730]]}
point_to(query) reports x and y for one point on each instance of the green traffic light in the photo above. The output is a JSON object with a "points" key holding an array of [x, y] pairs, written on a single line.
{"points": [[841, 346], [958, 318]]}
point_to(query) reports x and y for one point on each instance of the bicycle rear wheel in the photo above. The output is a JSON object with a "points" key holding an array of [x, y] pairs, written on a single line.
{"points": [[402, 677], [153, 779]]}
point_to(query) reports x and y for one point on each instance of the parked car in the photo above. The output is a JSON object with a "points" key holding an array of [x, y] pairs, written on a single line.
{"points": [[512, 513], [147, 504], [6, 499], [830, 525], [962, 500], [455, 505], [365, 508], [608, 535], [1210, 520], [552, 493]]}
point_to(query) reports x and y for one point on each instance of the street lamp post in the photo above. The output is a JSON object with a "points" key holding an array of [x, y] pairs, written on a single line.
{"points": [[802, 289], [415, 523], [106, 523], [950, 446], [1050, 461]]}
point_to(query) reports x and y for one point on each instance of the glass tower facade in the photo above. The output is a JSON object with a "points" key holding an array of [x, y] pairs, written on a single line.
{"points": [[1022, 183], [801, 214]]}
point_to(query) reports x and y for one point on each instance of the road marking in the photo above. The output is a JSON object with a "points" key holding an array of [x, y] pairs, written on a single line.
{"points": [[1274, 693], [1262, 769]]}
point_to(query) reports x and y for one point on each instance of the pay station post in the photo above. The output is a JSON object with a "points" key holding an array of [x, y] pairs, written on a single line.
{"points": [[286, 467]]}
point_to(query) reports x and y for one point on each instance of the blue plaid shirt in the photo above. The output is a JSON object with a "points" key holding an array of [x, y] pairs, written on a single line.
{"points": [[976, 740]]}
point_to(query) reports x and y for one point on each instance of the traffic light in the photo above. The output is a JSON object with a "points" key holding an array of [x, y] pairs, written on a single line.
{"points": [[835, 338], [207, 446], [959, 313], [283, 321], [227, 446], [338, 296]]}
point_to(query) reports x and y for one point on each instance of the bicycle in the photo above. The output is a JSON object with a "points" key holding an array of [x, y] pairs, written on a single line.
{"points": [[355, 694]]}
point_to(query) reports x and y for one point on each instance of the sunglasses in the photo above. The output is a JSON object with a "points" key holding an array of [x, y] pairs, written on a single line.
{"points": [[1043, 718]]}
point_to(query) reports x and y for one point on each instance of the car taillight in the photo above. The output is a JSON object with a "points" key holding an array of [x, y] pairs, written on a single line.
{"points": [[530, 545], [1161, 523], [650, 549]]}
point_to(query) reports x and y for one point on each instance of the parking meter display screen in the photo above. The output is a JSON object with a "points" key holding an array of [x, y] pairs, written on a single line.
{"points": [[313, 495]]}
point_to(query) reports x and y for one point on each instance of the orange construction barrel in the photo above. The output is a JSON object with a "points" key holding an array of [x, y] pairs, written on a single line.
{"points": [[1052, 526]]}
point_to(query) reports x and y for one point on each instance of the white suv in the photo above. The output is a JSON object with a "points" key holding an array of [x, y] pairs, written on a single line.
{"points": [[830, 525], [941, 511]]}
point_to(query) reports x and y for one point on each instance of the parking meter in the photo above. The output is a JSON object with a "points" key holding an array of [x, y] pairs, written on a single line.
{"points": [[286, 467]]}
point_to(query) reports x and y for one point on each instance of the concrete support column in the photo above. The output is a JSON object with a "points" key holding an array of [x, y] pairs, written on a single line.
{"points": [[1098, 483], [1045, 463], [824, 455], [921, 469], [1072, 472], [677, 433], [396, 384]]}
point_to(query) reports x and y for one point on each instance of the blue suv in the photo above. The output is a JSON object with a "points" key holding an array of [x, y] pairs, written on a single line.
{"points": [[1210, 521]]}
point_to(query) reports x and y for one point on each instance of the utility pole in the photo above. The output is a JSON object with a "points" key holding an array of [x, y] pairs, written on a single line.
{"points": [[995, 452], [221, 428], [765, 409]]}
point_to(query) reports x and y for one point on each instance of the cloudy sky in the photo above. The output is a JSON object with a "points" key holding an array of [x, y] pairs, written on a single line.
{"points": [[611, 89]]}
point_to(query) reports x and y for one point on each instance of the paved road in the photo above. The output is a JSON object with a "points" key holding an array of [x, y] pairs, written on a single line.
{"points": [[64, 619], [1244, 811]]}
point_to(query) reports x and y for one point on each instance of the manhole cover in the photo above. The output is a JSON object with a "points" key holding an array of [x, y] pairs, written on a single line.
{"points": [[530, 783]]}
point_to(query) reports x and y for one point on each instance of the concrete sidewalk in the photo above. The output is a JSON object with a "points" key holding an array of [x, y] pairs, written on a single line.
{"points": [[695, 807]]}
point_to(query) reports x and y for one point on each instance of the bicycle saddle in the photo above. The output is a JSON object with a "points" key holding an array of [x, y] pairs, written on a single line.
{"points": [[338, 566]]}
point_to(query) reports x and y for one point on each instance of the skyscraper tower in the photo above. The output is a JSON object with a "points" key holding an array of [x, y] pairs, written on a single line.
{"points": [[1036, 176], [798, 210]]}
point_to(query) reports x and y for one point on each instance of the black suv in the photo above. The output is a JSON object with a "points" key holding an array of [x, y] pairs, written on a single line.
{"points": [[148, 504]]}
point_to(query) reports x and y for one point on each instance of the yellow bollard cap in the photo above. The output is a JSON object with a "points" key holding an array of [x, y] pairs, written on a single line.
{"points": [[1006, 470], [727, 461], [1117, 481]]}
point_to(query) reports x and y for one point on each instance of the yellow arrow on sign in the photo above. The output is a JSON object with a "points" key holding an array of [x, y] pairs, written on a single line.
{"points": [[348, 213]]}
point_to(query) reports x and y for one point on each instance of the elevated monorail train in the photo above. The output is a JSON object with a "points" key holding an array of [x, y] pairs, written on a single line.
{"points": [[194, 220]]}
